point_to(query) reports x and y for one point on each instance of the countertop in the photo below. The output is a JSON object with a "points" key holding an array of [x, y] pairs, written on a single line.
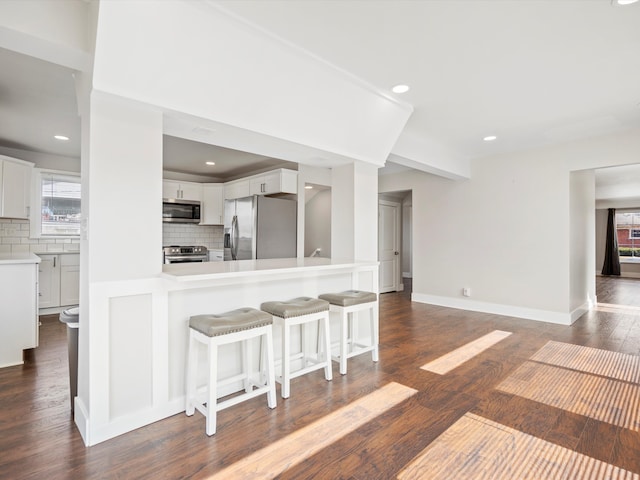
{"points": [[184, 272], [13, 258]]}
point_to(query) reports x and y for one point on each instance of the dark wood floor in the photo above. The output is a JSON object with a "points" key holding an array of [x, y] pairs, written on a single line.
{"points": [[38, 439]]}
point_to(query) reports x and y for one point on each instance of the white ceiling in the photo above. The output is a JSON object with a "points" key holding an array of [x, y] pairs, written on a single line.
{"points": [[532, 72]]}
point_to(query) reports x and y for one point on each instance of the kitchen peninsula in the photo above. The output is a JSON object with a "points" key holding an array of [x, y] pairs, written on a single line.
{"points": [[147, 320], [216, 287]]}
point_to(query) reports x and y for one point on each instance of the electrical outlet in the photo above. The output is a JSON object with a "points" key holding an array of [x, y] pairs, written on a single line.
{"points": [[466, 292]]}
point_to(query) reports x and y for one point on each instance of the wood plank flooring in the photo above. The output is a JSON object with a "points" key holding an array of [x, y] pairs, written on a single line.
{"points": [[38, 439]]}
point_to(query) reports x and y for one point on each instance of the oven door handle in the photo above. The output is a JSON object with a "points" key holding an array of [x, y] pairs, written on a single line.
{"points": [[185, 259], [235, 238]]}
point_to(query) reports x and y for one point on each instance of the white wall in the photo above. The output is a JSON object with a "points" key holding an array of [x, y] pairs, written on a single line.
{"points": [[506, 232], [492, 234], [582, 241], [125, 185], [354, 216], [317, 231]]}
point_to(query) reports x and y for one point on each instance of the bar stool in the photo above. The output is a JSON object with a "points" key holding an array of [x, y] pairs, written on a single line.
{"points": [[301, 311], [213, 331], [346, 304]]}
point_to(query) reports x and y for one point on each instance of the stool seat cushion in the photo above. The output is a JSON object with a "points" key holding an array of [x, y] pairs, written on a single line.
{"points": [[213, 325], [349, 298], [296, 307]]}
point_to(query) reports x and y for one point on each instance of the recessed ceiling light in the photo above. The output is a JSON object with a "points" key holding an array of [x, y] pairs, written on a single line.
{"points": [[400, 88], [308, 187], [61, 137], [210, 163], [626, 2], [489, 138]]}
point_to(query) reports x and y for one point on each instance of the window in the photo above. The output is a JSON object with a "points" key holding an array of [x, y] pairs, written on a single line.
{"points": [[58, 195], [628, 230]]}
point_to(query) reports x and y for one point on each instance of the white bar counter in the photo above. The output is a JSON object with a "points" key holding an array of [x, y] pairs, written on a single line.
{"points": [[258, 270], [139, 330]]}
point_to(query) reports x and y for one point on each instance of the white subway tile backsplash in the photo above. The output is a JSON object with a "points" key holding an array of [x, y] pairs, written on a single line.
{"points": [[211, 236], [14, 237]]}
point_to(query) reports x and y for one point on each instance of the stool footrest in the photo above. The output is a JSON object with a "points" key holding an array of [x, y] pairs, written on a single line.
{"points": [[303, 371]]}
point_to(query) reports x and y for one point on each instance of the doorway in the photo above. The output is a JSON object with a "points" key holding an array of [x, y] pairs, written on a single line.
{"points": [[394, 241]]}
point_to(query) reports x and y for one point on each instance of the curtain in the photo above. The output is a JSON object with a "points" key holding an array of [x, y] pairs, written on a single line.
{"points": [[611, 264]]}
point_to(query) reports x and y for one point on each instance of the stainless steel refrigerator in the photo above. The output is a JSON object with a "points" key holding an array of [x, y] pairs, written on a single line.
{"points": [[259, 227]]}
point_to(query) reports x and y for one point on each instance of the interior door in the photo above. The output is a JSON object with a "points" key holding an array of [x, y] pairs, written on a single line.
{"points": [[389, 245]]}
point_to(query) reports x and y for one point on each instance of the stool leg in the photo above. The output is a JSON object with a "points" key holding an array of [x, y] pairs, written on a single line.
{"points": [[192, 363], [328, 374], [271, 375], [212, 399], [247, 364], [286, 359], [374, 332], [344, 328]]}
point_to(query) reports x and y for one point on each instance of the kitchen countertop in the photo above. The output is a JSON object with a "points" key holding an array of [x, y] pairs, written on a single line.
{"points": [[185, 272], [13, 258]]}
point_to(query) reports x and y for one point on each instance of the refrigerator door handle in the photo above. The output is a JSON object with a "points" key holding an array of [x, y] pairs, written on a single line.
{"points": [[235, 237]]}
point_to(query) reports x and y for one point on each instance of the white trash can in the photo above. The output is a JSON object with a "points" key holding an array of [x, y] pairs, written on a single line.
{"points": [[71, 317]]}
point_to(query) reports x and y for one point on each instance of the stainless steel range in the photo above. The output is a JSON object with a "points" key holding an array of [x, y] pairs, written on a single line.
{"points": [[179, 254]]}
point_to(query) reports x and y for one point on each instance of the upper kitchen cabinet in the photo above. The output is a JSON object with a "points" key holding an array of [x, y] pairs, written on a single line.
{"points": [[15, 183], [182, 190], [237, 189], [212, 204], [278, 181]]}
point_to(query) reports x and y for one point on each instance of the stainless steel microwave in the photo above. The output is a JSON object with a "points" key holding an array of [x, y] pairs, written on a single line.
{"points": [[180, 211]]}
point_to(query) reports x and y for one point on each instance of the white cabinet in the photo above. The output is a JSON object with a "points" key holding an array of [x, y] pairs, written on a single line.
{"points": [[69, 279], [18, 310], [278, 181], [15, 187], [59, 280], [212, 204], [237, 189], [49, 284], [182, 190]]}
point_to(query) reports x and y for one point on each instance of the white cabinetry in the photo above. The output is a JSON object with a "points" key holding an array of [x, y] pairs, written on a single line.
{"points": [[212, 204], [49, 291], [277, 181], [18, 308], [69, 279], [237, 189], [59, 280], [15, 183], [182, 190]]}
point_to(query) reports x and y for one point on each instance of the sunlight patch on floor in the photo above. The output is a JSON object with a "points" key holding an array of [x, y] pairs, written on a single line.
{"points": [[595, 383], [273, 460], [457, 357], [477, 448], [616, 308]]}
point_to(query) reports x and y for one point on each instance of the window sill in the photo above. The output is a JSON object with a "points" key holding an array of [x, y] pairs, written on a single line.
{"points": [[630, 260]]}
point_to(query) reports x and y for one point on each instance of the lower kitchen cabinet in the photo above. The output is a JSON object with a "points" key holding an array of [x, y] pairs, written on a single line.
{"points": [[59, 280], [18, 308]]}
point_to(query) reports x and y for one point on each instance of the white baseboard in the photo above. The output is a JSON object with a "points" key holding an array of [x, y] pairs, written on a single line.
{"points": [[500, 309], [622, 275]]}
